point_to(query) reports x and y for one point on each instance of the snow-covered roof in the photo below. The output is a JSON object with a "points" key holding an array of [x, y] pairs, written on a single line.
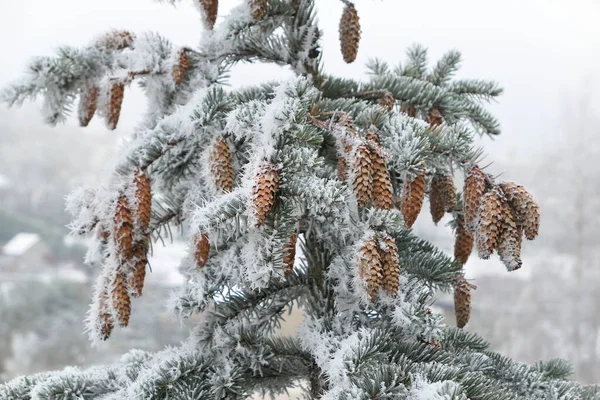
{"points": [[20, 244]]}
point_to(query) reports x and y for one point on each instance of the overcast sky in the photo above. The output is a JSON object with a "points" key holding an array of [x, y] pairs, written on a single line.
{"points": [[545, 53]]}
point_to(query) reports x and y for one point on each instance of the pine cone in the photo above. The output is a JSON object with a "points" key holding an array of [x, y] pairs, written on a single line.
{"points": [[264, 191], [221, 165], [349, 33], [115, 40], [463, 246], [179, 69], [289, 254], [382, 182], [462, 302], [258, 8], [509, 242], [491, 220], [136, 279], [372, 137], [202, 249], [435, 117], [409, 110], [390, 262], [412, 199], [123, 228], [387, 101], [143, 195], [342, 168], [87, 105], [473, 192], [436, 201], [363, 175], [121, 300], [105, 320], [371, 269], [115, 100], [210, 9], [526, 209]]}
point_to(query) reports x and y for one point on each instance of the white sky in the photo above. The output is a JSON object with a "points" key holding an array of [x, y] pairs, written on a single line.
{"points": [[545, 53]]}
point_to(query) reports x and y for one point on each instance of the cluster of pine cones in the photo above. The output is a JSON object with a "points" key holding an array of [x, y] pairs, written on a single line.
{"points": [[379, 264], [210, 9], [130, 237]]}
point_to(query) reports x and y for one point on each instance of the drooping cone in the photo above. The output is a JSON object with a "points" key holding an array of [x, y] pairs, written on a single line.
{"points": [[387, 101], [105, 320], [121, 299], [289, 254], [342, 168], [371, 269], [526, 208], [491, 221], [463, 245], [448, 191], [115, 40], [383, 191], [436, 201], [264, 191], [349, 33], [258, 8], [210, 9], [413, 194], [143, 195], [473, 192], [202, 249], [181, 67], [87, 105], [435, 117], [390, 262], [409, 110], [509, 242], [115, 100], [221, 165], [363, 175], [136, 279], [123, 228], [462, 302]]}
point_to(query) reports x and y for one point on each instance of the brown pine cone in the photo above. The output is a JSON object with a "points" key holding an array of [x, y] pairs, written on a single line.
{"points": [[342, 168], [390, 262], [473, 192], [435, 117], [182, 66], [264, 191], [371, 269], [463, 245], [121, 300], [409, 110], [123, 228], [115, 40], [115, 100], [436, 201], [510, 239], [387, 101], [491, 221], [258, 8], [383, 190], [349, 33], [221, 165], [88, 100], [210, 8], [143, 195], [202, 249], [136, 279], [105, 320], [462, 302], [526, 209], [363, 175], [412, 198], [289, 254]]}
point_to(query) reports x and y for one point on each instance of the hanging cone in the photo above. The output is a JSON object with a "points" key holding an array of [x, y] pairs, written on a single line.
{"points": [[371, 269], [526, 209], [265, 188], [210, 9], [510, 239], [202, 249], [115, 100], [473, 192], [390, 261], [87, 105], [342, 168], [363, 175], [258, 8], [462, 302], [349, 33], [115, 40], [436, 200], [409, 110], [136, 279], [383, 190], [289, 254], [143, 195], [491, 221], [181, 67], [463, 246], [105, 321], [435, 117], [412, 198], [387, 101], [221, 165], [123, 228], [448, 191], [121, 300]]}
